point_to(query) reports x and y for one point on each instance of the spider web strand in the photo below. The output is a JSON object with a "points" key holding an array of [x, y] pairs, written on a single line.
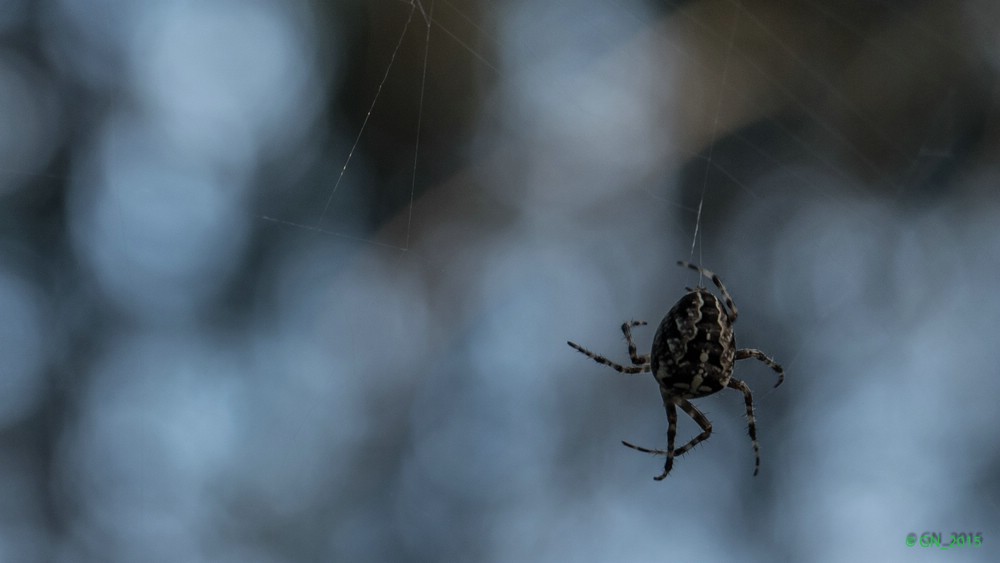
{"points": [[368, 115], [429, 18], [715, 127]]}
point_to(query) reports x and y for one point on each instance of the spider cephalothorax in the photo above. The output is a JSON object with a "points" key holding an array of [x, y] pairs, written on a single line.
{"points": [[693, 355]]}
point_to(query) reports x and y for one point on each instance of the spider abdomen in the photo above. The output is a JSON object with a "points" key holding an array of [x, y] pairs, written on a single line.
{"points": [[694, 348]]}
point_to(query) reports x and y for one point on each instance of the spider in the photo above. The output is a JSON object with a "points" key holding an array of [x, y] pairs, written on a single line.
{"points": [[693, 354]]}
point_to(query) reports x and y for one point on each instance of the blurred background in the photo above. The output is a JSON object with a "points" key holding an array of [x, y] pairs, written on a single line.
{"points": [[293, 281]]}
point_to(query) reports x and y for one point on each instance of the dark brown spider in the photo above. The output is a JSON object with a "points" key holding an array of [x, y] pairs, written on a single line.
{"points": [[693, 354]]}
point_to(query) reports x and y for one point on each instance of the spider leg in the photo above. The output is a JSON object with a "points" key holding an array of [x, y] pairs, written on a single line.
{"points": [[718, 283], [746, 353], [703, 422], [602, 360], [751, 421], [671, 409], [632, 352], [642, 449], [670, 404]]}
